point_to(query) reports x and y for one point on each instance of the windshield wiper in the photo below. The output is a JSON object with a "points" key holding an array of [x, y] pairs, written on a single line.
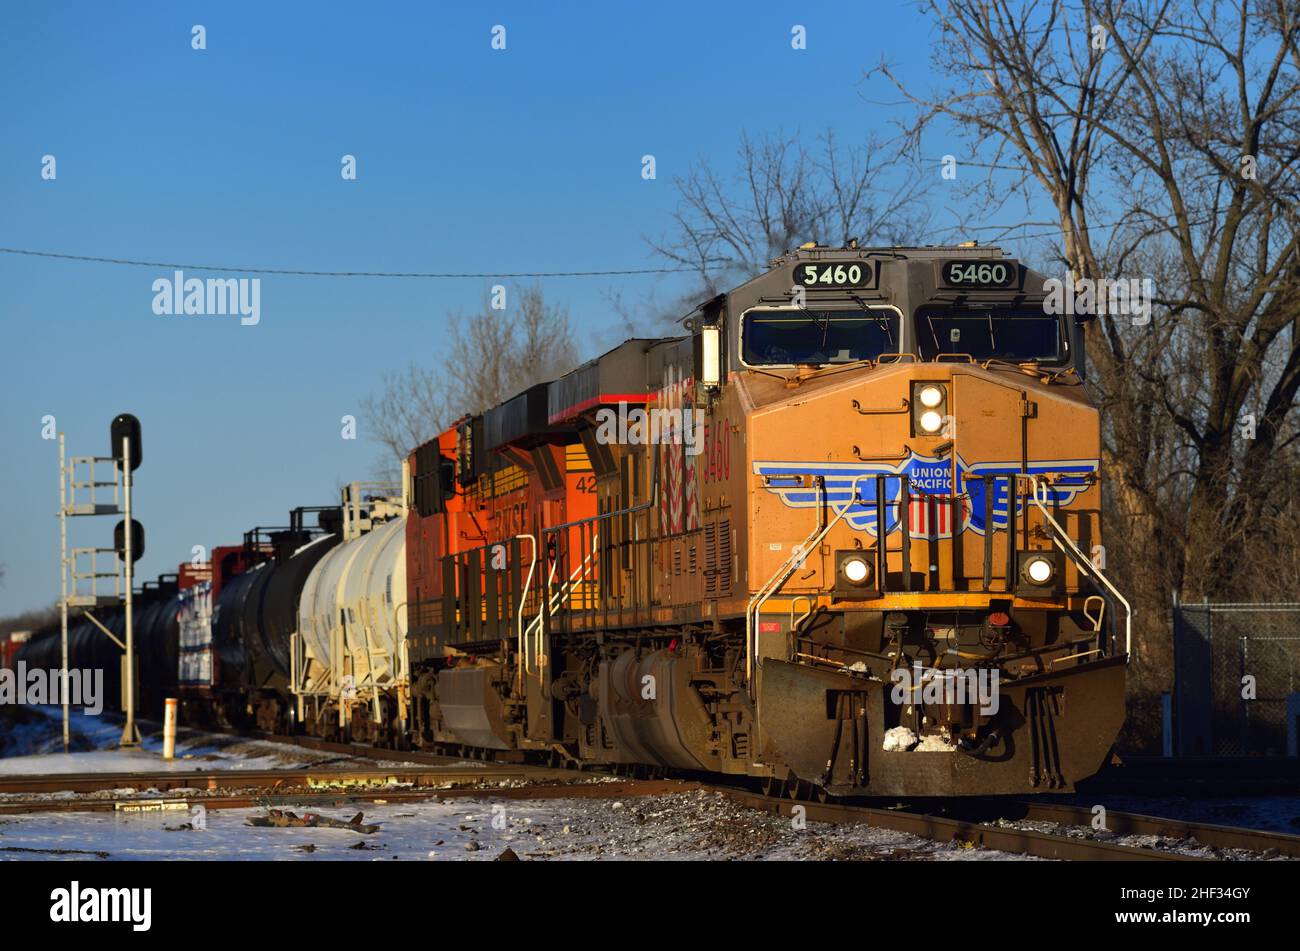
{"points": [[822, 325], [877, 317]]}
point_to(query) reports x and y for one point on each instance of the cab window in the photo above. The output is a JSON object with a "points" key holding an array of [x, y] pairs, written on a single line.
{"points": [[790, 336]]}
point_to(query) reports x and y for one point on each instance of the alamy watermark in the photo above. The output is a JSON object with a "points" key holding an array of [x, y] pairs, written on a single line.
{"points": [[133, 906], [933, 687], [1115, 297], [38, 687], [214, 296], [652, 427]]}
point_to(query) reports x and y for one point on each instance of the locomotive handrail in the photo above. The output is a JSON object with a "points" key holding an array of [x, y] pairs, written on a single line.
{"points": [[883, 411], [523, 599], [812, 606], [783, 573], [556, 598], [1066, 544]]}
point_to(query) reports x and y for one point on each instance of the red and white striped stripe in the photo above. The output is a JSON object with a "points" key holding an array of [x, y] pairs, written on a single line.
{"points": [[921, 512]]}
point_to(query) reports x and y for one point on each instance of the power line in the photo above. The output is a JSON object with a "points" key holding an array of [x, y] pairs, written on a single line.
{"points": [[301, 273]]}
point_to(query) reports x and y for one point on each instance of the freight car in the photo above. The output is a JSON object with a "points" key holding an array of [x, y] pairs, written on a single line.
{"points": [[839, 537], [90, 648], [10, 645], [236, 625]]}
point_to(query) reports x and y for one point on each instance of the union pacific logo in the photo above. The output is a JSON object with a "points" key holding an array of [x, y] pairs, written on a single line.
{"points": [[934, 509]]}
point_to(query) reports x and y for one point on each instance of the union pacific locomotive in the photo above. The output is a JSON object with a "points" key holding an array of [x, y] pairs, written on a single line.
{"points": [[842, 537]]}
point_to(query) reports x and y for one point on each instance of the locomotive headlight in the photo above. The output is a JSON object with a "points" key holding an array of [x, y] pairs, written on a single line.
{"points": [[930, 397], [1039, 570], [855, 570], [929, 408]]}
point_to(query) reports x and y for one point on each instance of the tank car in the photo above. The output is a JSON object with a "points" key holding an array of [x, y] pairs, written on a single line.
{"points": [[347, 658]]}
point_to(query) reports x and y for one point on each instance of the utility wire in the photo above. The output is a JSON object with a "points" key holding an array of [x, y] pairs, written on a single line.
{"points": [[288, 271]]}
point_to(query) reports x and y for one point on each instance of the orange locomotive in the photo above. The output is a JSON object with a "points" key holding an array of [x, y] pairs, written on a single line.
{"points": [[844, 537]]}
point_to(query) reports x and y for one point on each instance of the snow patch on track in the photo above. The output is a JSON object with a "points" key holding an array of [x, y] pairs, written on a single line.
{"points": [[682, 826], [32, 745]]}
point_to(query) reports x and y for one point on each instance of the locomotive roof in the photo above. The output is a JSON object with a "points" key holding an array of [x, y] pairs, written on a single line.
{"points": [[613, 373]]}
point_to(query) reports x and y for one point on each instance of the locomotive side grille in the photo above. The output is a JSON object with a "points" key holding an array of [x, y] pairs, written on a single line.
{"points": [[717, 557], [724, 555], [711, 558]]}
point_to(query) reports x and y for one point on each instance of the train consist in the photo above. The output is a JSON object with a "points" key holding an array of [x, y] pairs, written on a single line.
{"points": [[840, 537]]}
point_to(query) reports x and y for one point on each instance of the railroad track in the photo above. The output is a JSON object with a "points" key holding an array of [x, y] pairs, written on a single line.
{"points": [[987, 824], [320, 799], [311, 777], [940, 828], [1129, 823], [972, 822]]}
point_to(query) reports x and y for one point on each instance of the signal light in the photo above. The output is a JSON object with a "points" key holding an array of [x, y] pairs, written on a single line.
{"points": [[137, 540], [125, 426]]}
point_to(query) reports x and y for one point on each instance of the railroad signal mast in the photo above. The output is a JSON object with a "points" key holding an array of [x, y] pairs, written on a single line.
{"points": [[82, 487]]}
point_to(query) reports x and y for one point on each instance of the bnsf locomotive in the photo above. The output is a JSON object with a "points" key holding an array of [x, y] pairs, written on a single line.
{"points": [[843, 537]]}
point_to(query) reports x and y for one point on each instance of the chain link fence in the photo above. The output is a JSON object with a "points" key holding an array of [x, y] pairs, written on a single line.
{"points": [[1237, 679]]}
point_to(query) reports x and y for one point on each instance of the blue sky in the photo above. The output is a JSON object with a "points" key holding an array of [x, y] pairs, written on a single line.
{"points": [[468, 159]]}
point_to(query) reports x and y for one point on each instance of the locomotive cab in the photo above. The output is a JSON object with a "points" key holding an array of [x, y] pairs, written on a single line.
{"points": [[925, 521]]}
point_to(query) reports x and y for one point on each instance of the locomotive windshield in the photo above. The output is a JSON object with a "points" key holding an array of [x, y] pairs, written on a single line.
{"points": [[1021, 335], [789, 336]]}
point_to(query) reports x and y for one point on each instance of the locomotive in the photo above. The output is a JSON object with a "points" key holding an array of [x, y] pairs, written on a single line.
{"points": [[841, 537]]}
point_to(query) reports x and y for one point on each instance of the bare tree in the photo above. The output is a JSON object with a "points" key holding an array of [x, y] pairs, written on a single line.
{"points": [[32, 620], [1161, 136], [784, 191], [489, 356]]}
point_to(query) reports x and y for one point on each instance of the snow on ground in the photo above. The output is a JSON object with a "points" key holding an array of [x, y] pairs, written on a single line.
{"points": [[32, 744], [681, 826]]}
